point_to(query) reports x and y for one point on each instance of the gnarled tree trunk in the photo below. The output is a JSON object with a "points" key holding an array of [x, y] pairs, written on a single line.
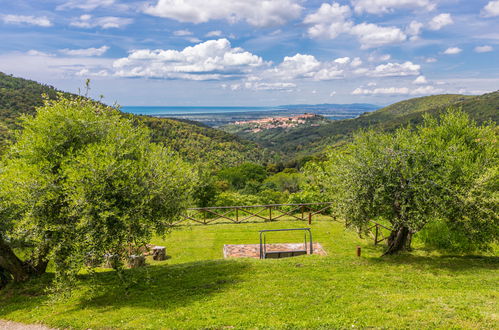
{"points": [[399, 240], [10, 263]]}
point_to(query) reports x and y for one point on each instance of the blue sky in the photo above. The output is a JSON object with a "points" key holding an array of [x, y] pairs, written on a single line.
{"points": [[254, 52]]}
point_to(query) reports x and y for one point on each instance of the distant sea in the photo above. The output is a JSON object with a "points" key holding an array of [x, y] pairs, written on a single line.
{"points": [[218, 116]]}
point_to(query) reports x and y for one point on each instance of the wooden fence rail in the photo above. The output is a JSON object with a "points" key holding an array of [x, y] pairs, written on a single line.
{"points": [[252, 213], [266, 213]]}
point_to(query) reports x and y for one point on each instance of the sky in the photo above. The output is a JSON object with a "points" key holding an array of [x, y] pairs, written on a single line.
{"points": [[253, 52]]}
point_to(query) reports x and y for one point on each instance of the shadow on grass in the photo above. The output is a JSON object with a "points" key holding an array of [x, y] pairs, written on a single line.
{"points": [[156, 286], [455, 263], [163, 286]]}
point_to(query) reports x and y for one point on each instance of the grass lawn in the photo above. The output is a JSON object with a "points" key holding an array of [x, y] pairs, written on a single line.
{"points": [[196, 288]]}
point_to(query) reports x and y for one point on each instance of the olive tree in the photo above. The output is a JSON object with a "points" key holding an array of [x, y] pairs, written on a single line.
{"points": [[443, 170], [80, 182]]}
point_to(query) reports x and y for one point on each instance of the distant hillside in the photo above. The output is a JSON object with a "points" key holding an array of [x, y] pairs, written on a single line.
{"points": [[195, 141], [306, 140]]}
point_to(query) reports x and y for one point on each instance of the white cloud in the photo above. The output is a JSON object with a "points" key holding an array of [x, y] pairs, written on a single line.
{"points": [[491, 9], [356, 62], [34, 52], [375, 91], [85, 51], [483, 49], [387, 6], [342, 60], [306, 66], [216, 33], [106, 22], [85, 4], [333, 93], [259, 86], [431, 60], [421, 80], [414, 29], [395, 70], [425, 90], [329, 21], [372, 35], [440, 21], [30, 20], [260, 13], [88, 73], [181, 33], [210, 60], [453, 51], [194, 40]]}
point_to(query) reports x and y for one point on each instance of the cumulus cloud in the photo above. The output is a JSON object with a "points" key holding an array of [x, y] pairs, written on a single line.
{"points": [[387, 6], [440, 21], [329, 21], [85, 51], [395, 70], [414, 29], [85, 4], [42, 21], [261, 13], [483, 49], [491, 9], [210, 60], [307, 66], [421, 80], [342, 60], [106, 22], [425, 90], [372, 35], [452, 51]]}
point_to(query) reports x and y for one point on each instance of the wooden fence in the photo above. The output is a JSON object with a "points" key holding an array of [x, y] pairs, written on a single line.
{"points": [[267, 213]]}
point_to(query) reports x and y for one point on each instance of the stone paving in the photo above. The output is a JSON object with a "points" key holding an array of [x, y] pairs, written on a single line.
{"points": [[253, 250]]}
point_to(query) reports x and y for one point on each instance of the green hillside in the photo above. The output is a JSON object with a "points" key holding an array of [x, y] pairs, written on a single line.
{"points": [[194, 141], [306, 140], [270, 133]]}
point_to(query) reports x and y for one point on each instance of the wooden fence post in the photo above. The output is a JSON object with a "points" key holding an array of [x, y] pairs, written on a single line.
{"points": [[376, 235], [310, 218]]}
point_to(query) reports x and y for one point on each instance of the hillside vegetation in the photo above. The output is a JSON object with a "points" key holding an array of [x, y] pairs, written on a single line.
{"points": [[194, 141], [305, 140]]}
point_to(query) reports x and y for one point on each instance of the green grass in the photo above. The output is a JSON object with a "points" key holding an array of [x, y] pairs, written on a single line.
{"points": [[196, 288]]}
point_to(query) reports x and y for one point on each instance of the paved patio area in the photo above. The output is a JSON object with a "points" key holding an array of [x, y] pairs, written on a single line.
{"points": [[253, 250]]}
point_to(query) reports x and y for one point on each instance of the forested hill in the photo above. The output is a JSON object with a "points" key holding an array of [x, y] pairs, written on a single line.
{"points": [[194, 141], [307, 140]]}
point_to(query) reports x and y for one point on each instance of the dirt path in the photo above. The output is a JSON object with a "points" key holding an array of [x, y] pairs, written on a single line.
{"points": [[9, 325]]}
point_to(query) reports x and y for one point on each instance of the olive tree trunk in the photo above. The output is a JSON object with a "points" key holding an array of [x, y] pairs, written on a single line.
{"points": [[399, 240], [11, 264]]}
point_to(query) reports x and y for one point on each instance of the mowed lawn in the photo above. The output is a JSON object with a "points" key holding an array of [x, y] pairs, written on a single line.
{"points": [[196, 288]]}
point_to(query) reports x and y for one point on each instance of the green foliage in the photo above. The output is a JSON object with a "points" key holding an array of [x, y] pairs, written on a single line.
{"points": [[306, 140], [195, 142], [444, 170], [198, 143], [234, 198], [84, 182], [286, 181], [240, 176]]}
